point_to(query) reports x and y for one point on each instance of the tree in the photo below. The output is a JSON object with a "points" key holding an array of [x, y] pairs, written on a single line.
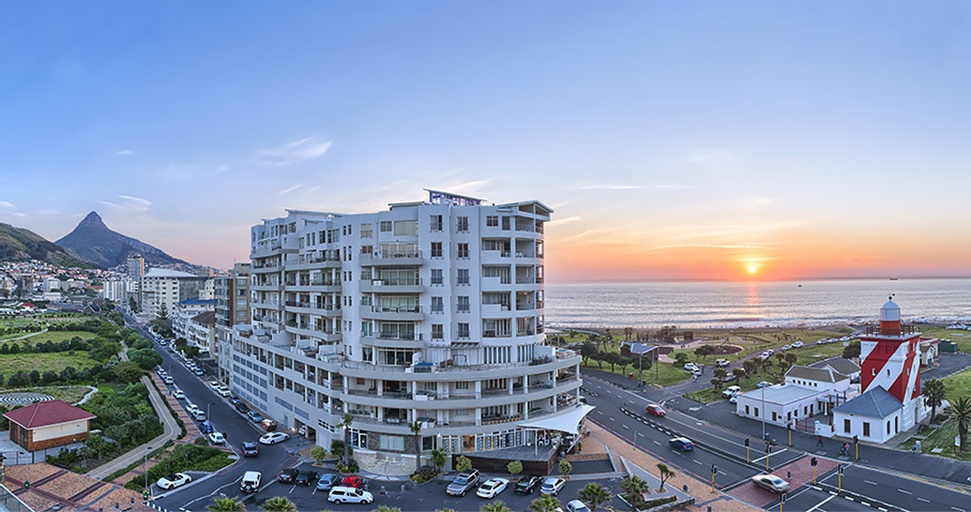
{"points": [[415, 428], [704, 351], [597, 357], [346, 424], [721, 373], [515, 467], [634, 487], [628, 333], [751, 366], [146, 358], [680, 359], [48, 377], [664, 473], [739, 374], [545, 503], [852, 349], [439, 458], [716, 384], [791, 358], [127, 372], [611, 358], [594, 495], [766, 364], [336, 446], [496, 506], [278, 504], [463, 464], [961, 413], [133, 305], [318, 453], [587, 350], [34, 377], [934, 394], [226, 504], [565, 467], [163, 313]]}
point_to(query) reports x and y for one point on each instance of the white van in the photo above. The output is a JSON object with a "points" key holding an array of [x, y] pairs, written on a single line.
{"points": [[349, 495], [251, 481]]}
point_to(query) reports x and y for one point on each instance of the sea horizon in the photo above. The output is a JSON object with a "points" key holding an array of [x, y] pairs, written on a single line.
{"points": [[736, 304]]}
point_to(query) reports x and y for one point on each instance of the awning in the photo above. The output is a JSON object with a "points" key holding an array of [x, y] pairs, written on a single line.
{"points": [[568, 422]]}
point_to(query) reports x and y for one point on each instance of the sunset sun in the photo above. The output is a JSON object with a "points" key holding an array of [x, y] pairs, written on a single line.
{"points": [[752, 268]]}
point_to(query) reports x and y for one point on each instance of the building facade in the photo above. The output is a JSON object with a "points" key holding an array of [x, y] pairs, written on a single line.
{"points": [[428, 313], [232, 295], [163, 289]]}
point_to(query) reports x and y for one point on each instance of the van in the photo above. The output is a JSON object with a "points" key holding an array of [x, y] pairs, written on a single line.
{"points": [[349, 495], [251, 481]]}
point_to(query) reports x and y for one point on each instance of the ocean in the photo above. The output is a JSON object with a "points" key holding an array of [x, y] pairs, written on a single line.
{"points": [[698, 304]]}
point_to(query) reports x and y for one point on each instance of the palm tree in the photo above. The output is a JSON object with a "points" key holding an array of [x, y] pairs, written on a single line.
{"points": [[415, 427], [635, 488], [594, 495], [721, 373], [739, 373], [278, 504], [439, 458], [934, 394], [961, 412], [226, 504], [544, 503], [664, 473], [348, 419], [716, 384], [495, 506], [751, 366]]}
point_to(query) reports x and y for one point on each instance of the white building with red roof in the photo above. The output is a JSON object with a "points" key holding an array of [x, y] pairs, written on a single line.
{"points": [[48, 424]]}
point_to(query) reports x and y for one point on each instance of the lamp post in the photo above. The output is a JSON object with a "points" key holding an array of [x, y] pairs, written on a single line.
{"points": [[27, 469], [763, 414], [208, 411], [148, 449]]}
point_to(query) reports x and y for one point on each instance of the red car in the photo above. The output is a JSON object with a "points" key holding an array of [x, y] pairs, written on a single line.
{"points": [[655, 410], [353, 481]]}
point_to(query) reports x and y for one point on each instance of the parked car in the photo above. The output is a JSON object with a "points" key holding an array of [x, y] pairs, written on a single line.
{"points": [[655, 410], [191, 407], [763, 384], [305, 478], [577, 506], [206, 427], [691, 367], [179, 394], [463, 483], [734, 398], [527, 484], [242, 408], [274, 437], [492, 487], [731, 390], [222, 391], [349, 495], [250, 449], [765, 355], [327, 480], [254, 416], [552, 485], [199, 372], [721, 363], [251, 481], [199, 415], [785, 347], [214, 384], [681, 444], [172, 481], [288, 476], [354, 481], [771, 482], [168, 379], [798, 344], [217, 438]]}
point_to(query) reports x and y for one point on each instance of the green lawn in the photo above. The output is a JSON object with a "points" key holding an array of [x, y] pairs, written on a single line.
{"points": [[59, 336], [942, 438], [957, 385], [962, 338], [56, 361]]}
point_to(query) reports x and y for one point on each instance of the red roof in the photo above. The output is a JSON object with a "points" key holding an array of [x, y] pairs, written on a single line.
{"points": [[42, 414]]}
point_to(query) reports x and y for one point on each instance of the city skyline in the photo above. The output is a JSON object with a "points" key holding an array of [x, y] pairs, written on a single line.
{"points": [[711, 141]]}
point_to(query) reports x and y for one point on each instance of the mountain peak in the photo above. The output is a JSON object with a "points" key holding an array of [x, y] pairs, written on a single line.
{"points": [[92, 219]]}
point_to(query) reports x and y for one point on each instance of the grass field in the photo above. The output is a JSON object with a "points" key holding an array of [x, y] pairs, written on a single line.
{"points": [[56, 361], [58, 336]]}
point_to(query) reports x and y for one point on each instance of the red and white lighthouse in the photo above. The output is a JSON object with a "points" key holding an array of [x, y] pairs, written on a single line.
{"points": [[891, 360]]}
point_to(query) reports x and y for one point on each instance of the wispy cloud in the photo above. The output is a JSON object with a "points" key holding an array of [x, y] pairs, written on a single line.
{"points": [[308, 148], [6, 204], [124, 152], [290, 189], [130, 204], [608, 187], [565, 220]]}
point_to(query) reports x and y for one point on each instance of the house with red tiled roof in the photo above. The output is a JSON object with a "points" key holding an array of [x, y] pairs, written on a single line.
{"points": [[48, 424]]}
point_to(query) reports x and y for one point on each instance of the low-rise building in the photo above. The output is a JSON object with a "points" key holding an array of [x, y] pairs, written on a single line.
{"points": [[48, 424]]}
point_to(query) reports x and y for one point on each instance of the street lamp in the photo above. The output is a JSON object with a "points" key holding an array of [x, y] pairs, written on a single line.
{"points": [[763, 413], [209, 411], [27, 469], [148, 450]]}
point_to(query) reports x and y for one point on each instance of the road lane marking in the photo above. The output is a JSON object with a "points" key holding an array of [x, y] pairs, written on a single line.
{"points": [[849, 498], [925, 500], [698, 462], [657, 443], [869, 482], [864, 503], [600, 413], [958, 509], [904, 491], [881, 509], [821, 503]]}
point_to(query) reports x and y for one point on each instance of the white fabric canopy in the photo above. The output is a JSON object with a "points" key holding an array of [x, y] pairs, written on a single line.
{"points": [[568, 422]]}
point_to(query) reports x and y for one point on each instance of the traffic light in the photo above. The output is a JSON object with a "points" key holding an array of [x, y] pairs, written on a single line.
{"points": [[27, 484], [145, 495], [856, 440], [714, 469], [746, 442], [839, 469], [812, 462]]}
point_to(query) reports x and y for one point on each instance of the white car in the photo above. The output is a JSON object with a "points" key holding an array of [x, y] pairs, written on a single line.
{"points": [[173, 481], [492, 487], [274, 437], [730, 391], [191, 408], [771, 483], [691, 367], [765, 355], [179, 394], [223, 391], [217, 438], [797, 344], [577, 506], [552, 485], [349, 495], [214, 384]]}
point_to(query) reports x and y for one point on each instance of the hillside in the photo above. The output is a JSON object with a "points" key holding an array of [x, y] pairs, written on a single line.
{"points": [[94, 242], [19, 244]]}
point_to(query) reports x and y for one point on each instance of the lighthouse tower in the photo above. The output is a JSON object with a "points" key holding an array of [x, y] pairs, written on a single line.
{"points": [[891, 360]]}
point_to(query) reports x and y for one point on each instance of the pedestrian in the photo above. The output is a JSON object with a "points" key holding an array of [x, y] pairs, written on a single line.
{"points": [[819, 442]]}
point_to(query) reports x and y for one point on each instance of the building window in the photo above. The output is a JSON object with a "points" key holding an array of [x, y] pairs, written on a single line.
{"points": [[386, 226], [463, 305], [436, 223], [463, 251], [866, 429], [462, 224], [492, 221], [757, 412], [437, 276], [438, 332], [462, 277], [462, 384], [775, 417], [366, 231], [438, 305], [463, 330], [392, 443], [436, 251], [888, 426], [746, 410]]}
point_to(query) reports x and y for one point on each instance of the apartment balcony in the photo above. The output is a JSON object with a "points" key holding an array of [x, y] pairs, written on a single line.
{"points": [[303, 307], [313, 260], [274, 305], [265, 268], [495, 257], [401, 313], [496, 284], [445, 371], [265, 248], [265, 287], [496, 310], [401, 259], [392, 286], [393, 340]]}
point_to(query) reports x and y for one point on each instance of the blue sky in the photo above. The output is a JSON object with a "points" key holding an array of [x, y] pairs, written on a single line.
{"points": [[673, 139]]}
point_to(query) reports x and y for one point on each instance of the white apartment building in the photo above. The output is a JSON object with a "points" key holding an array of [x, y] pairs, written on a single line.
{"points": [[427, 312], [165, 288], [115, 290]]}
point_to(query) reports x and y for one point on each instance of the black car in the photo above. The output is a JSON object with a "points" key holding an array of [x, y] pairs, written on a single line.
{"points": [[250, 449], [288, 476], [527, 484], [241, 407], [306, 478]]}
